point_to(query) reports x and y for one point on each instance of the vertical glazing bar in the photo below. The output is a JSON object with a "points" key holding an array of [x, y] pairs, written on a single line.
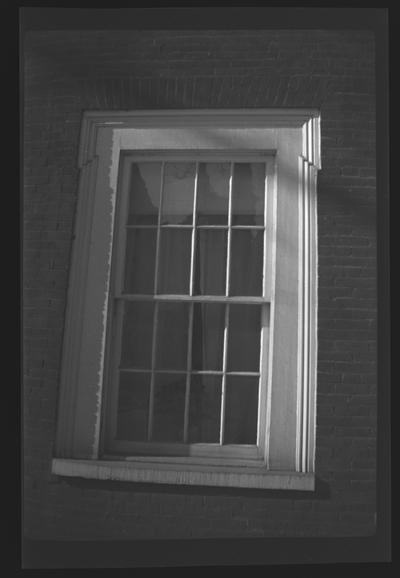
{"points": [[193, 248], [152, 379], [262, 382], [228, 250], [190, 332], [264, 334], [224, 367], [188, 376], [226, 328], [265, 272], [155, 319], [159, 229]]}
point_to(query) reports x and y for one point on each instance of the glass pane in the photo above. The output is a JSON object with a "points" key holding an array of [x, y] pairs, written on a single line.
{"points": [[210, 264], [144, 193], [140, 261], [133, 406], [208, 336], [248, 194], [137, 335], [178, 192], [246, 262], [174, 261], [244, 338], [172, 336], [241, 409], [205, 409], [169, 407], [213, 193]]}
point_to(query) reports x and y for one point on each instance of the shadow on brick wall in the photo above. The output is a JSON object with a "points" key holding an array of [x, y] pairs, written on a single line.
{"points": [[254, 552]]}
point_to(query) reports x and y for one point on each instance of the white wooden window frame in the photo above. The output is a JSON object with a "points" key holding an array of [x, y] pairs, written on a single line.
{"points": [[292, 136]]}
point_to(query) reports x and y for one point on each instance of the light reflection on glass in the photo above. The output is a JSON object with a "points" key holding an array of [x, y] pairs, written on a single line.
{"points": [[178, 193], [248, 194], [144, 193], [213, 193]]}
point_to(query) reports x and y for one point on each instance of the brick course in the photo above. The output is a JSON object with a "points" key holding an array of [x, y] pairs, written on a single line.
{"points": [[67, 72]]}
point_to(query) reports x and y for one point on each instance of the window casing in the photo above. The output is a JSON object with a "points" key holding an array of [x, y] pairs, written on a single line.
{"points": [[286, 143]]}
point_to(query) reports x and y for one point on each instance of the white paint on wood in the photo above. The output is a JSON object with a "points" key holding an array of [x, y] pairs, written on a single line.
{"points": [[104, 136], [176, 474], [313, 322], [112, 184], [223, 381], [198, 298], [283, 419], [132, 449], [263, 380], [300, 311], [188, 367], [116, 309], [271, 259], [74, 317], [193, 240]]}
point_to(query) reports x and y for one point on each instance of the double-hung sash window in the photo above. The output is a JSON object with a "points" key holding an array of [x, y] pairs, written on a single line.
{"points": [[188, 368], [190, 338]]}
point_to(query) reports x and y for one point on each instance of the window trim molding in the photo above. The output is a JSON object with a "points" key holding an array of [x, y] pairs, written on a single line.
{"points": [[104, 135]]}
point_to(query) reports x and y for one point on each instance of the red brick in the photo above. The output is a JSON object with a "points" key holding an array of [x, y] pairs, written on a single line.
{"points": [[69, 71]]}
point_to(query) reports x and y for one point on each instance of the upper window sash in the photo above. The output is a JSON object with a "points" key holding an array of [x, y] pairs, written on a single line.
{"points": [[129, 157]]}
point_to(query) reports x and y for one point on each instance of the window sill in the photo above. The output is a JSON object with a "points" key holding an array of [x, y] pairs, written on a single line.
{"points": [[174, 473]]}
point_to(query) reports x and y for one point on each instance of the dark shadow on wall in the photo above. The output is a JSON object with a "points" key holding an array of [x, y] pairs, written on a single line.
{"points": [[321, 492], [221, 552], [339, 200]]}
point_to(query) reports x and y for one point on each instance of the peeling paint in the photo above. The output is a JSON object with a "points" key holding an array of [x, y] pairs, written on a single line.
{"points": [[112, 191]]}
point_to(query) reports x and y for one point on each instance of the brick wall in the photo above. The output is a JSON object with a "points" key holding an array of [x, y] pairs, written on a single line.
{"points": [[67, 72]]}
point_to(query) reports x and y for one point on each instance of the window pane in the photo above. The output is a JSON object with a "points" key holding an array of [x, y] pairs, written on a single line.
{"points": [[144, 193], [178, 192], [213, 193], [248, 194], [244, 338], [174, 261], [140, 261], [210, 264], [169, 407], [205, 409], [172, 336], [246, 262], [137, 335], [241, 409], [133, 406], [208, 336]]}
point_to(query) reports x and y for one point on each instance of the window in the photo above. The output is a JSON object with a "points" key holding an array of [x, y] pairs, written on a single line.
{"points": [[187, 359], [190, 338]]}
